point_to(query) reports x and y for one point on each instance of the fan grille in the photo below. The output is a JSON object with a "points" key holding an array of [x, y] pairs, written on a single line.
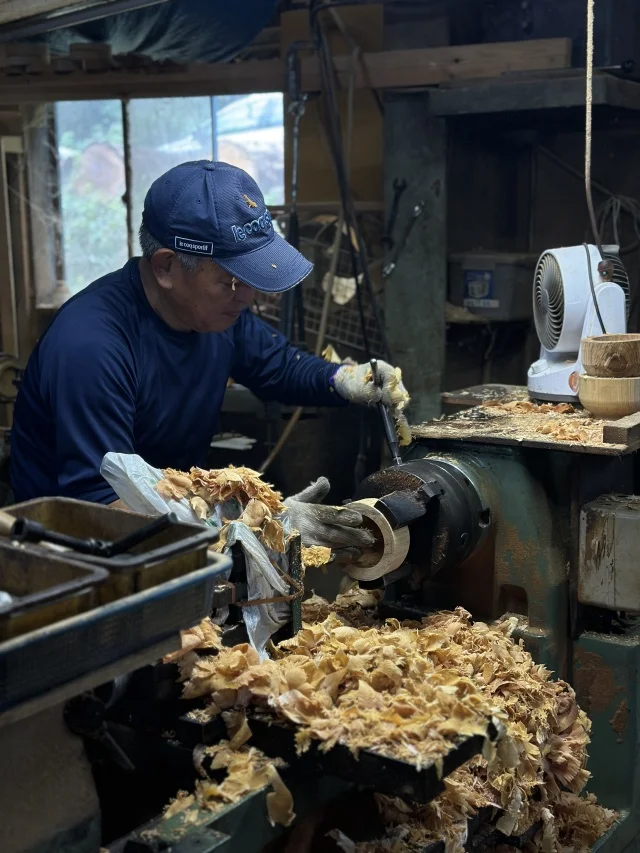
{"points": [[548, 301], [620, 277]]}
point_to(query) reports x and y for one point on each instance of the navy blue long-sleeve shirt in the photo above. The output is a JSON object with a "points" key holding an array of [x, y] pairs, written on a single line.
{"points": [[110, 375]]}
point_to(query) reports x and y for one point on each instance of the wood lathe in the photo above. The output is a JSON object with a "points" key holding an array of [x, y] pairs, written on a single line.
{"points": [[478, 515]]}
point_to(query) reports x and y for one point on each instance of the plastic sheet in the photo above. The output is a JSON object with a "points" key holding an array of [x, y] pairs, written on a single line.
{"points": [[182, 31], [134, 482]]}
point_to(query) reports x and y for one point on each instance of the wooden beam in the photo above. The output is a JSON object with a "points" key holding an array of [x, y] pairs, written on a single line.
{"points": [[397, 69], [382, 70], [16, 10], [528, 92], [623, 431]]}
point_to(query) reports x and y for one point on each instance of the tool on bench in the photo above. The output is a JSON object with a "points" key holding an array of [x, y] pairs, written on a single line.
{"points": [[387, 421], [26, 530]]}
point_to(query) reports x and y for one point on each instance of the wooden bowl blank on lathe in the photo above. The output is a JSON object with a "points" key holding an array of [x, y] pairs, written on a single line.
{"points": [[613, 356], [605, 397], [388, 552]]}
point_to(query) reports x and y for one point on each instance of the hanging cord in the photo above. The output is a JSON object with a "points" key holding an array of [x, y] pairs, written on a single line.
{"points": [[587, 157], [589, 124], [332, 116]]}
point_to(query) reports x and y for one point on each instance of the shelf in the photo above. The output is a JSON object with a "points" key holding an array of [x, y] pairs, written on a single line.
{"points": [[533, 92]]}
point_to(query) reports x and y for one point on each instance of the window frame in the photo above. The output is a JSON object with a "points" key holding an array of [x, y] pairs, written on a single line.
{"points": [[41, 146]]}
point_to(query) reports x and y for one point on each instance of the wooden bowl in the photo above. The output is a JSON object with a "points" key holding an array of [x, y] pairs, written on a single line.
{"points": [[611, 355], [610, 397]]}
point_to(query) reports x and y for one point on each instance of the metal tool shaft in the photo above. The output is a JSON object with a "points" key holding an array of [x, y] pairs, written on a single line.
{"points": [[387, 421]]}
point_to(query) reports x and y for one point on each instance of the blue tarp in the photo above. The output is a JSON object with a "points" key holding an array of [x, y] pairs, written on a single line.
{"points": [[181, 30]]}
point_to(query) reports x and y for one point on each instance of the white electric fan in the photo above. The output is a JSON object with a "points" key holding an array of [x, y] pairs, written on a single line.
{"points": [[567, 285]]}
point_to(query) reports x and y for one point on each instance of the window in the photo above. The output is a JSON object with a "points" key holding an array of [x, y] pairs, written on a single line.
{"points": [[97, 209]]}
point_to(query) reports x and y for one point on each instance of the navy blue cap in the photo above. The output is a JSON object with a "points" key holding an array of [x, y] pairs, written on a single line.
{"points": [[217, 210]]}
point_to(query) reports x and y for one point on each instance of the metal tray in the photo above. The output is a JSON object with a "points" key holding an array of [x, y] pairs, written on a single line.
{"points": [[32, 664], [45, 589], [384, 774], [173, 553]]}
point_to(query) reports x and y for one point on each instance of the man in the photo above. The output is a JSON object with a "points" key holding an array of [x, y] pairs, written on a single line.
{"points": [[138, 362]]}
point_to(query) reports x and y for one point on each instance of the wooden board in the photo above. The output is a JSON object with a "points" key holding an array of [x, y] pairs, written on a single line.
{"points": [[384, 70], [398, 69], [489, 425], [623, 431], [531, 91], [15, 10]]}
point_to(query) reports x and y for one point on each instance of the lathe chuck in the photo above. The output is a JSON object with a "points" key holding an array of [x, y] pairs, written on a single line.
{"points": [[436, 500]]}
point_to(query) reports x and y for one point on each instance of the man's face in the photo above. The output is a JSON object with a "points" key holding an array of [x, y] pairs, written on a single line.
{"points": [[208, 299]]}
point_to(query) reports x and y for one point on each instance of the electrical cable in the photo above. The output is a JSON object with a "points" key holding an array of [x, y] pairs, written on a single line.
{"points": [[593, 290], [625, 204], [335, 256], [335, 141]]}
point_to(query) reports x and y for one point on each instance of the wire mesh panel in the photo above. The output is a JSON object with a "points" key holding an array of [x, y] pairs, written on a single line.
{"points": [[344, 326]]}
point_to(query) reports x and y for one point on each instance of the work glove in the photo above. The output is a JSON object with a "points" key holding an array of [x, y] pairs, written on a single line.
{"points": [[332, 526], [355, 383]]}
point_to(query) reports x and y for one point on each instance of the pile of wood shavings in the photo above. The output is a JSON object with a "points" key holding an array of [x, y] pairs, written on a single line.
{"points": [[377, 689], [408, 691], [246, 770], [517, 420], [562, 422], [204, 490], [572, 824]]}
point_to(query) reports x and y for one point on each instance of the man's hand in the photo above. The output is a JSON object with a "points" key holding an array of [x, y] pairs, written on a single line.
{"points": [[331, 526], [355, 383]]}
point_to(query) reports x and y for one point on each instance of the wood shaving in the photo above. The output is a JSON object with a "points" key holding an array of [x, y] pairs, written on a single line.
{"points": [[259, 503], [403, 430], [247, 770], [409, 691], [355, 607], [314, 556], [520, 421]]}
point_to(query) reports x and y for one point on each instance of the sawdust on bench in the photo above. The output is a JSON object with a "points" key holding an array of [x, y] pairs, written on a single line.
{"points": [[519, 420]]}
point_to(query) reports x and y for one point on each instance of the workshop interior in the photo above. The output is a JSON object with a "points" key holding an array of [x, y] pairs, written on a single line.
{"points": [[187, 671]]}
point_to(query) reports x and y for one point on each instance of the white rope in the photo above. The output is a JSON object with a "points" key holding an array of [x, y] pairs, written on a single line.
{"points": [[589, 119]]}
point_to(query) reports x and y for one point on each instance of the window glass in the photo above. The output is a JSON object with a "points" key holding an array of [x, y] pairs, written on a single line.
{"points": [[249, 133], [92, 185], [164, 132]]}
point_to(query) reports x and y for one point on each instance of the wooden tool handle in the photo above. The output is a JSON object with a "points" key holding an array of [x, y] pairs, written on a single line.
{"points": [[6, 523]]}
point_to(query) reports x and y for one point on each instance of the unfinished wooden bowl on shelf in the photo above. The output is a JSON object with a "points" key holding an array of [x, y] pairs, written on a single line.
{"points": [[611, 355], [610, 397]]}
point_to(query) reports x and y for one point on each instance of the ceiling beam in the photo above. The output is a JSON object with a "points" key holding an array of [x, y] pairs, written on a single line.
{"points": [[383, 70]]}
